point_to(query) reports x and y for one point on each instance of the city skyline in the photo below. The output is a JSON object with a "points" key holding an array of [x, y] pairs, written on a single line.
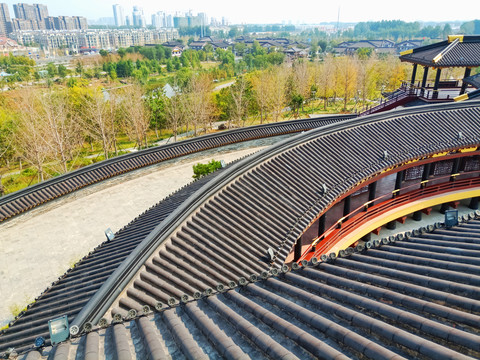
{"points": [[248, 11]]}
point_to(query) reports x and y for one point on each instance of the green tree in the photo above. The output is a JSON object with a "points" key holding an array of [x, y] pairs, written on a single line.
{"points": [[113, 74], [471, 27], [62, 71], [170, 67], [79, 68], [447, 30], [52, 70], [121, 52], [313, 51], [240, 48], [156, 103], [296, 102], [322, 44]]}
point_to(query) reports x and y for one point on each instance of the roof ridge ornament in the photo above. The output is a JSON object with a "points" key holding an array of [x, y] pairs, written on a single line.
{"points": [[452, 38]]}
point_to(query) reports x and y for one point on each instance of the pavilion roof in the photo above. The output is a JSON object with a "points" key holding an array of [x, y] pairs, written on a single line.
{"points": [[457, 51], [473, 80]]}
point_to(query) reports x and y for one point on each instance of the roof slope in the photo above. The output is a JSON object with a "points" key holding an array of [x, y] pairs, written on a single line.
{"points": [[270, 203], [73, 290], [461, 51], [414, 297], [473, 80]]}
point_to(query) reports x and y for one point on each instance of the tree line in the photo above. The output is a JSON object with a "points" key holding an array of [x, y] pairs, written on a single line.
{"points": [[270, 94], [397, 29], [53, 125]]}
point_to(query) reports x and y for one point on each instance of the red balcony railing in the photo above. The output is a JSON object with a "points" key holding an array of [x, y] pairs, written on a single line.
{"points": [[371, 209]]}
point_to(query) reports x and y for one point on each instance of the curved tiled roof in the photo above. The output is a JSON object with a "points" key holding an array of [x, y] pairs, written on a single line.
{"points": [[69, 294], [269, 201], [414, 297], [461, 51]]}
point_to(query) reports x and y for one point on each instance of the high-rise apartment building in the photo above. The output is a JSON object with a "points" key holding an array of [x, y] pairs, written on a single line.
{"points": [[159, 20], [80, 22], [138, 17], [5, 20], [36, 13], [41, 11], [24, 11], [189, 20], [170, 21], [118, 15]]}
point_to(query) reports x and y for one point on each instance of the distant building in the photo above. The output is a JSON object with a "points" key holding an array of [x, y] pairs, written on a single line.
{"points": [[162, 20], [138, 17], [201, 43], [378, 46], [80, 22], [22, 24], [5, 20], [93, 40], [8, 46], [118, 15], [36, 13], [296, 53], [189, 20], [64, 23], [169, 21], [175, 46], [180, 21], [35, 17], [159, 20], [408, 45]]}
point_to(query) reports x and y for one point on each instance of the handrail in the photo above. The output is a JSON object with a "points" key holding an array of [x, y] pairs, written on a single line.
{"points": [[409, 90], [392, 199]]}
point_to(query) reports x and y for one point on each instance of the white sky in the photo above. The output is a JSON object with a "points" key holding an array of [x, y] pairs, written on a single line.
{"points": [[258, 11]]}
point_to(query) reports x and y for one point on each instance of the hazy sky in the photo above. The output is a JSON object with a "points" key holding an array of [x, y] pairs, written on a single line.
{"points": [[258, 11]]}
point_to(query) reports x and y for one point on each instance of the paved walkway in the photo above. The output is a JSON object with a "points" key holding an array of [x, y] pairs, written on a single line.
{"points": [[39, 246]]}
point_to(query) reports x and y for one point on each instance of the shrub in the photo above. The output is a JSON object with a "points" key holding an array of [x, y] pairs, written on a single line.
{"points": [[200, 170]]}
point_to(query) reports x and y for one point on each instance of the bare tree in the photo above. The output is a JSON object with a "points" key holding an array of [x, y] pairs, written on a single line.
{"points": [[346, 78], [65, 135], [31, 137], [302, 79], [262, 84], [136, 119], [239, 103], [199, 100], [325, 79], [96, 118], [175, 112], [277, 95]]}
